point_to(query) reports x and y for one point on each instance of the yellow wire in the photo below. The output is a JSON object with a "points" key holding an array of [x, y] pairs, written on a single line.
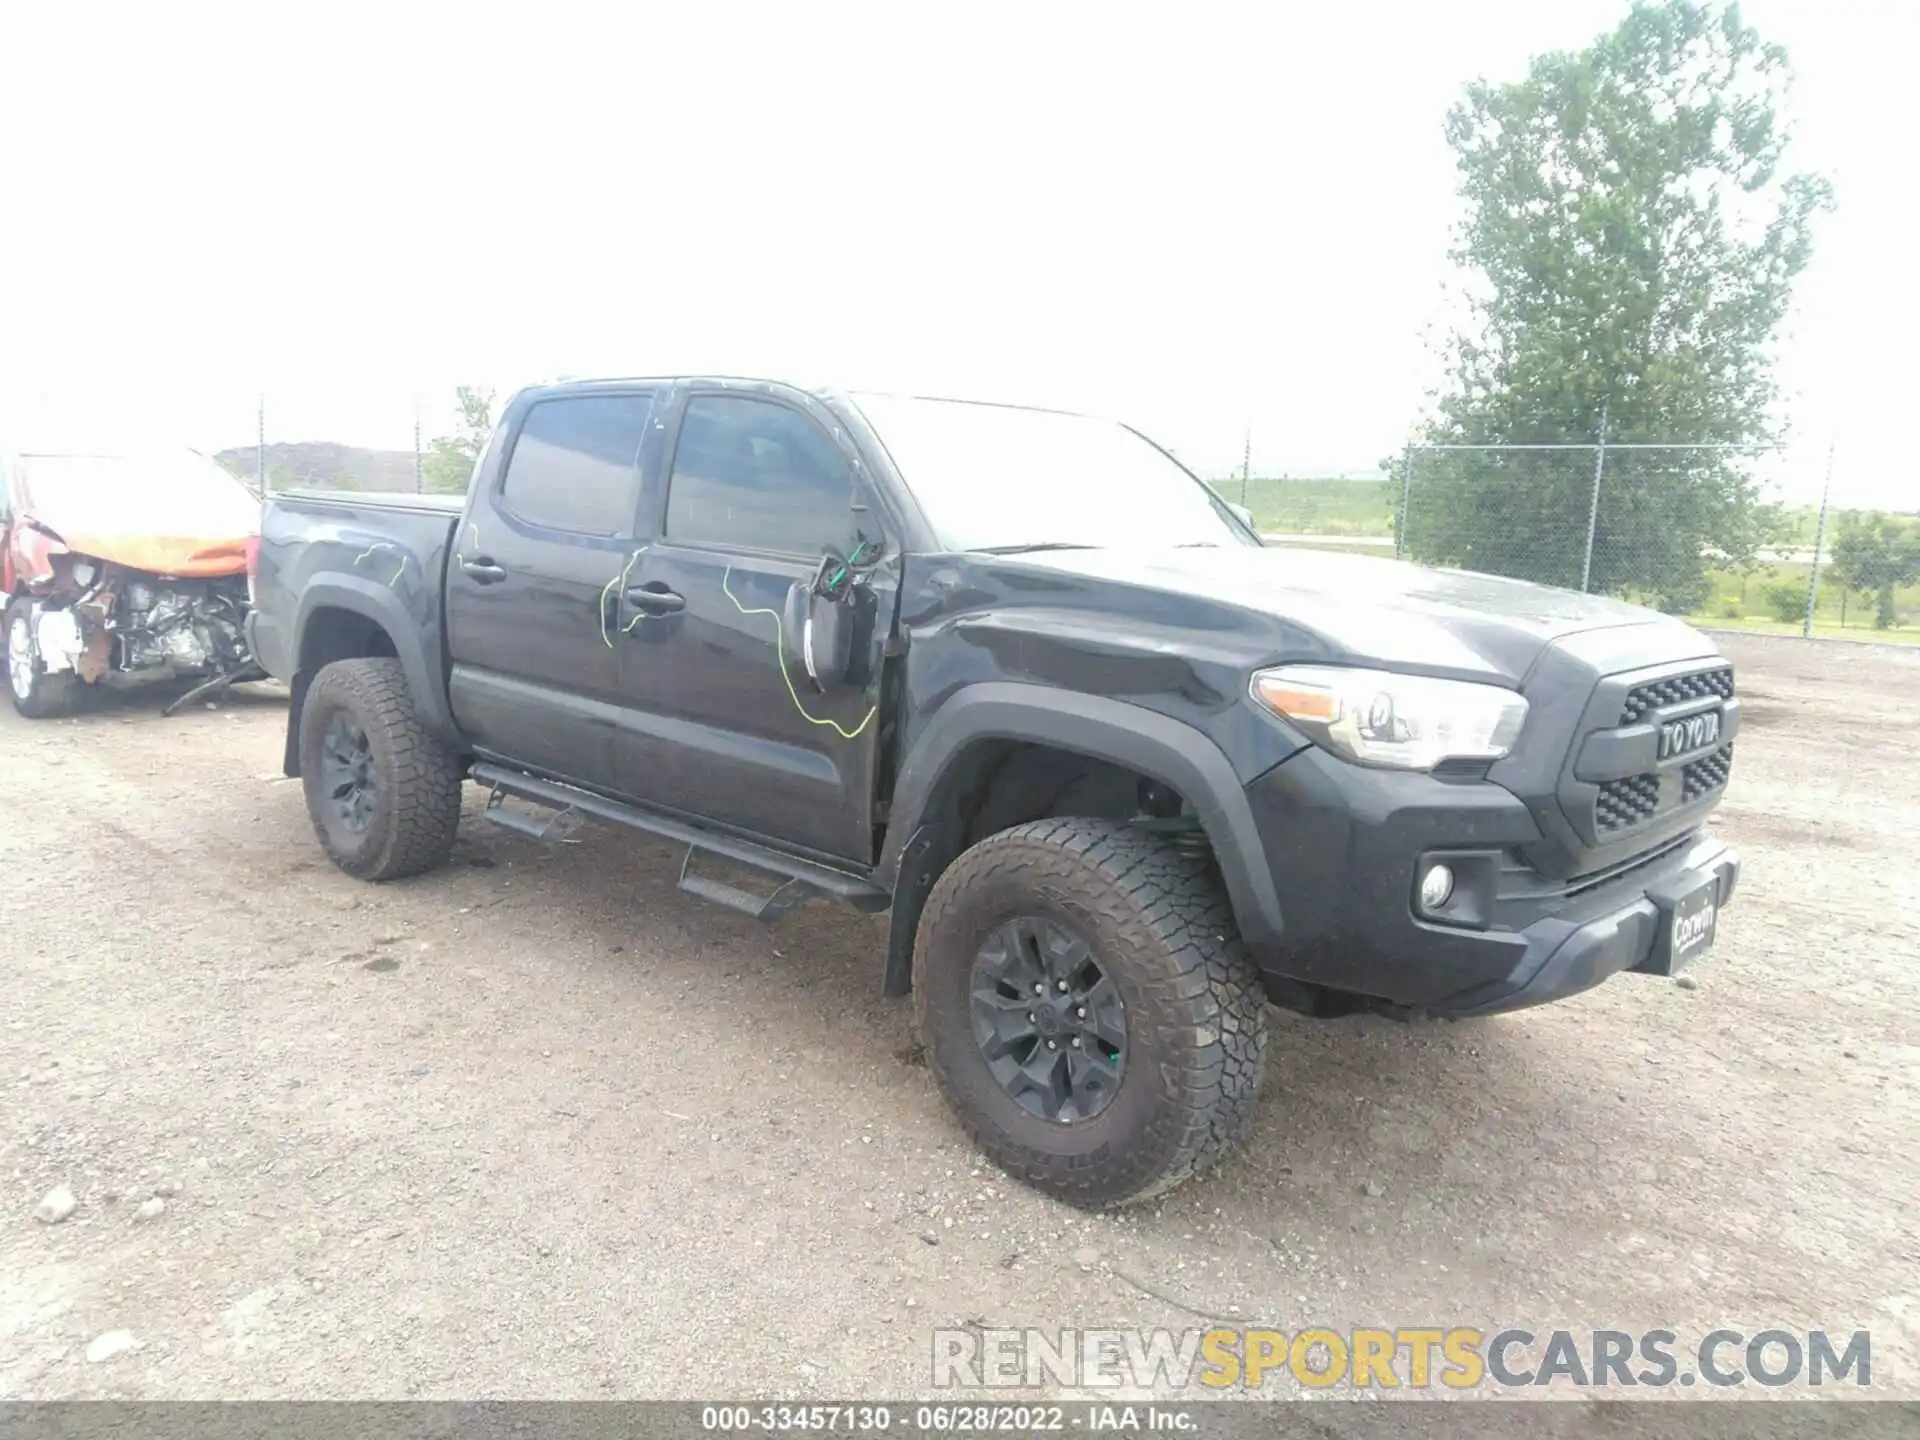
{"points": [[780, 657], [779, 639], [382, 545], [606, 592]]}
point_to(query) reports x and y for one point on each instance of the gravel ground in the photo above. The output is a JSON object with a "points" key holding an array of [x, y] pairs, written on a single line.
{"points": [[538, 1125]]}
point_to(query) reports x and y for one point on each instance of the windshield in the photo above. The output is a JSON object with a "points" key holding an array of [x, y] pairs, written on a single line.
{"points": [[993, 477]]}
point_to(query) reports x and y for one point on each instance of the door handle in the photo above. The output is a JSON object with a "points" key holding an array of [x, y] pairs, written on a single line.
{"points": [[484, 570], [656, 602]]}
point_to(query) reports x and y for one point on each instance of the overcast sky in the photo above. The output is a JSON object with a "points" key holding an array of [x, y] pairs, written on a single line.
{"points": [[1196, 218]]}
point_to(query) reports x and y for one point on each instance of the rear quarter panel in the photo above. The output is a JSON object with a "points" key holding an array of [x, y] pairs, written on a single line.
{"points": [[383, 558]]}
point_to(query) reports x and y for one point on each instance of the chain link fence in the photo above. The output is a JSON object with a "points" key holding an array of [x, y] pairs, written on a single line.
{"points": [[1730, 536], [1740, 536], [385, 442], [1760, 537]]}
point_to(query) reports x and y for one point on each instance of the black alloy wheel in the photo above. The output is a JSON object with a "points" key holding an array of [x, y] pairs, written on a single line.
{"points": [[1049, 1022], [346, 770]]}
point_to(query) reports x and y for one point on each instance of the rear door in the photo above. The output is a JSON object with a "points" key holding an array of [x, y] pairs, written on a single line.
{"points": [[536, 678], [757, 488]]}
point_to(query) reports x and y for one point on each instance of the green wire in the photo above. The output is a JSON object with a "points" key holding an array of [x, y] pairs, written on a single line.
{"points": [[780, 658], [846, 565], [779, 638]]}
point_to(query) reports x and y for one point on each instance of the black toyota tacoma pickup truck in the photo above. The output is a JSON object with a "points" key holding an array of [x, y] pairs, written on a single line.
{"points": [[1121, 773]]}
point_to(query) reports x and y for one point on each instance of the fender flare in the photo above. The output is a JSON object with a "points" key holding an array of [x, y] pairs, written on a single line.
{"points": [[1156, 745], [379, 604]]}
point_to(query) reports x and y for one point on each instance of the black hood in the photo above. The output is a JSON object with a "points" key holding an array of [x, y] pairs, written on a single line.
{"points": [[1333, 605]]}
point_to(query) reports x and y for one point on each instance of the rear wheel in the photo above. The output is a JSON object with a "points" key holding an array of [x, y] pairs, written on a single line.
{"points": [[383, 793], [1089, 1009], [36, 694]]}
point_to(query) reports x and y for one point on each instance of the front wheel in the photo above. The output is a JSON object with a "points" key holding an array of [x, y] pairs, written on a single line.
{"points": [[36, 693], [383, 793], [1089, 1009]]}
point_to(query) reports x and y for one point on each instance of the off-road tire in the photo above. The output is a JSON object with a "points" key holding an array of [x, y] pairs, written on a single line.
{"points": [[416, 778], [48, 695], [1161, 926]]}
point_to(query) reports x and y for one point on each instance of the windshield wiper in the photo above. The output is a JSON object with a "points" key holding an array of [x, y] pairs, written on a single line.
{"points": [[1031, 548]]}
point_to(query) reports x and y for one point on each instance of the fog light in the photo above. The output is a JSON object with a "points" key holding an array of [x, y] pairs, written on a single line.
{"points": [[1436, 887]]}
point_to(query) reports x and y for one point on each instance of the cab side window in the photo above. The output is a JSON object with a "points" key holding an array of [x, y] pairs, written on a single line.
{"points": [[575, 464], [754, 474]]}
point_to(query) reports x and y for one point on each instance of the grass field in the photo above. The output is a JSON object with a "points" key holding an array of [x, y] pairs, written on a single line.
{"points": [[1324, 506], [1315, 506], [1822, 629], [1337, 509], [1735, 605]]}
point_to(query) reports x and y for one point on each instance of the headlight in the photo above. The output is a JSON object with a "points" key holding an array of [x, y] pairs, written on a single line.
{"points": [[1404, 722]]}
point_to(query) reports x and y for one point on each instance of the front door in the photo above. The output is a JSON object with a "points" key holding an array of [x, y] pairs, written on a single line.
{"points": [[728, 726], [537, 675]]}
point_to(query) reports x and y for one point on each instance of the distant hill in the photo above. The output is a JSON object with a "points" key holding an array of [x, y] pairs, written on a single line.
{"points": [[323, 465]]}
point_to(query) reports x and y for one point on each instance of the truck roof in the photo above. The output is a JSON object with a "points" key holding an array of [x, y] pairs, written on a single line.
{"points": [[818, 392]]}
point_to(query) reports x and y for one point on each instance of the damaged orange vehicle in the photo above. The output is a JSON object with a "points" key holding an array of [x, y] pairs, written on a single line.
{"points": [[123, 569]]}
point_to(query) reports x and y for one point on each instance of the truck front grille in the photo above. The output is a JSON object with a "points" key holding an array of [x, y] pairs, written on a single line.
{"points": [[1622, 804], [1704, 776], [1680, 688], [1609, 812]]}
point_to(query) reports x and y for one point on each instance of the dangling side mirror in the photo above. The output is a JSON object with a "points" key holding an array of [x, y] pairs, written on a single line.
{"points": [[818, 633]]}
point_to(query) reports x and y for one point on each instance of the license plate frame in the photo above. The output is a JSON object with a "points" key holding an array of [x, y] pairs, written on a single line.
{"points": [[1689, 922]]}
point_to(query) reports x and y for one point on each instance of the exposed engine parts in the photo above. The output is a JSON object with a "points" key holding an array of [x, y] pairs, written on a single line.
{"points": [[109, 625], [186, 625]]}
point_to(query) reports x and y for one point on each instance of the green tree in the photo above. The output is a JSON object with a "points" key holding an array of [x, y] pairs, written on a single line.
{"points": [[1631, 241], [1877, 554], [1770, 530], [450, 459]]}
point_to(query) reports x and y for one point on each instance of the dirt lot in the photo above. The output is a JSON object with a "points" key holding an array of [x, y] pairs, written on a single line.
{"points": [[538, 1125]]}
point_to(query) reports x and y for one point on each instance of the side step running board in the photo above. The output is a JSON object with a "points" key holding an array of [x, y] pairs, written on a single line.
{"points": [[557, 828], [801, 878], [765, 909]]}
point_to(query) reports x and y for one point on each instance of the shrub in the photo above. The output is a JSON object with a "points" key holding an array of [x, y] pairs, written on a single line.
{"points": [[1787, 600], [1731, 608]]}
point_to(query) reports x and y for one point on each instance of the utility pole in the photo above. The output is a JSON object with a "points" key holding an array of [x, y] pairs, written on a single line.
{"points": [[1819, 536], [1246, 463], [1593, 505], [418, 486], [260, 448], [1406, 499]]}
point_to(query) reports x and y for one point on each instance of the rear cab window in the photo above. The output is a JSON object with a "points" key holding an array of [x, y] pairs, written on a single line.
{"points": [[575, 463]]}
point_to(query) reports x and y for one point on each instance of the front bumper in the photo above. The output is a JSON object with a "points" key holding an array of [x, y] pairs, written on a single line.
{"points": [[1570, 952], [1345, 844]]}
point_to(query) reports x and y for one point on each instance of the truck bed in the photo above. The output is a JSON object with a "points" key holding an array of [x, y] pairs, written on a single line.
{"points": [[377, 500], [376, 554]]}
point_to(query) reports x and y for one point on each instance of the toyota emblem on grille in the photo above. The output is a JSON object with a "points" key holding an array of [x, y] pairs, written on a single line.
{"points": [[1695, 732]]}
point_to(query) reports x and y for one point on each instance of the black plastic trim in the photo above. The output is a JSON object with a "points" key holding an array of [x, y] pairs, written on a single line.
{"points": [[378, 603], [1156, 745]]}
